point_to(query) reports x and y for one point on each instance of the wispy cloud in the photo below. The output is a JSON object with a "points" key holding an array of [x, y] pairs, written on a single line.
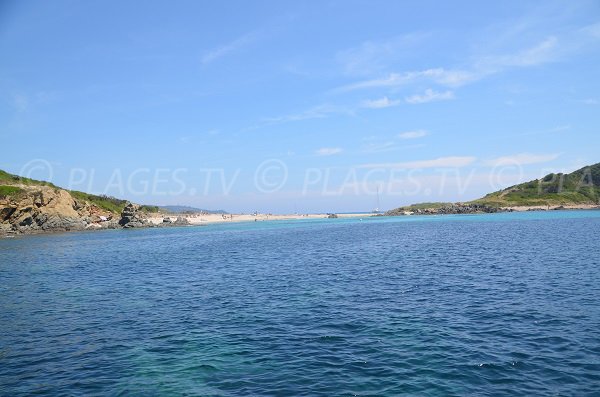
{"points": [[547, 50], [441, 162], [413, 134], [430, 96], [560, 128], [317, 112], [543, 52], [452, 78], [20, 102], [521, 159], [381, 103], [328, 151], [592, 30], [228, 48], [377, 147], [590, 101], [374, 56]]}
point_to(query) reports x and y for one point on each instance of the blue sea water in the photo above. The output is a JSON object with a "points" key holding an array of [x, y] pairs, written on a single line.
{"points": [[486, 305]]}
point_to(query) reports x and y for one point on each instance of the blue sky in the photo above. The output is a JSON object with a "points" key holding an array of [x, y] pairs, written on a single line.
{"points": [[297, 106]]}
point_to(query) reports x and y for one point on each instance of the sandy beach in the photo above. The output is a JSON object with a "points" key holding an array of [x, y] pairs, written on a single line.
{"points": [[206, 219]]}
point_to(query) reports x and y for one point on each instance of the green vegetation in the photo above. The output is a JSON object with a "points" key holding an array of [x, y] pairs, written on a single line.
{"points": [[105, 202], [423, 206], [7, 178], [9, 191], [579, 187], [149, 208]]}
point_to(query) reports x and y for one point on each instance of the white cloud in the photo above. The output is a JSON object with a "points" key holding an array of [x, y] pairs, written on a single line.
{"points": [[375, 147], [228, 48], [381, 103], [413, 134], [328, 151], [452, 78], [521, 159], [430, 96], [441, 162], [548, 50]]}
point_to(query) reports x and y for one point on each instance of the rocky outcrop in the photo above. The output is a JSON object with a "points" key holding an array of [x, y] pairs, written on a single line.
{"points": [[45, 208], [131, 217], [456, 208], [179, 221]]}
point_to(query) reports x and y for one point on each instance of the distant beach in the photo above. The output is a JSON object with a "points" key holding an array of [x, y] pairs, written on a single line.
{"points": [[205, 219]]}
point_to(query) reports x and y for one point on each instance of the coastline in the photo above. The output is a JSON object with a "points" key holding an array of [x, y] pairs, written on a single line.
{"points": [[157, 220], [196, 220], [207, 219]]}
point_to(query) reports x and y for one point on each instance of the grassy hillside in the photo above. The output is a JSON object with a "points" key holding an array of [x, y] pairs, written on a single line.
{"points": [[422, 206], [7, 189], [107, 203], [10, 179], [579, 187]]}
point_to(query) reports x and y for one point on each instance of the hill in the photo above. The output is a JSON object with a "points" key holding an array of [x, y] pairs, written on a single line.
{"points": [[14, 186], [32, 206], [577, 189], [183, 209]]}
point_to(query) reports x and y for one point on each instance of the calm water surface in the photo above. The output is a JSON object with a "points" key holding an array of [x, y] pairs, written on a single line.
{"points": [[489, 305]]}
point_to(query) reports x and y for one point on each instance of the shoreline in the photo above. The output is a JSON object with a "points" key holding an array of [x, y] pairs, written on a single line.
{"points": [[199, 220], [208, 219]]}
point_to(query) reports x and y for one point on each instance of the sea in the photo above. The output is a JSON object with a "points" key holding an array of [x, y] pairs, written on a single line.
{"points": [[454, 305]]}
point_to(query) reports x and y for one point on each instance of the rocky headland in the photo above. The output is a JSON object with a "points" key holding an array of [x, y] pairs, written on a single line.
{"points": [[446, 209], [31, 207], [577, 190]]}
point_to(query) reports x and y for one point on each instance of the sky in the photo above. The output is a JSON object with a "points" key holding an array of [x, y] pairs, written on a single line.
{"points": [[304, 106]]}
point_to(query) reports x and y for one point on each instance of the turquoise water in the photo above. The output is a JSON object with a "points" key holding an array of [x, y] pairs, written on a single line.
{"points": [[488, 305]]}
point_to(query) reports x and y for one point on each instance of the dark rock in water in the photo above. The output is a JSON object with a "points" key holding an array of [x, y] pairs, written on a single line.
{"points": [[332, 216], [180, 221], [131, 218], [457, 208]]}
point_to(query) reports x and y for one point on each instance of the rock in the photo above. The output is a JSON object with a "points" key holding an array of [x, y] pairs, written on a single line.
{"points": [[180, 221], [6, 213], [332, 216], [456, 208], [131, 218], [43, 208]]}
